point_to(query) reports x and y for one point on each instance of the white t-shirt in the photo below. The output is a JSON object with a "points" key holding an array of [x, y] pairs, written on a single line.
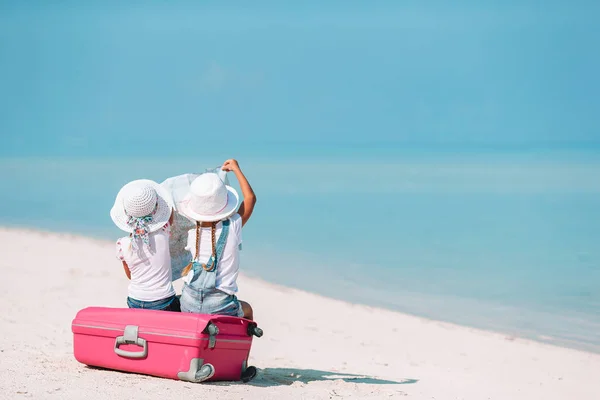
{"points": [[229, 264], [150, 266]]}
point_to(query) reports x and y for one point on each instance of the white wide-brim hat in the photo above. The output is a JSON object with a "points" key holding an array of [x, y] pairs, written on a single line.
{"points": [[209, 199], [147, 198]]}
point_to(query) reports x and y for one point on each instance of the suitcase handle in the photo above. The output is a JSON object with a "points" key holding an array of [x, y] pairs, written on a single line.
{"points": [[130, 336], [131, 354]]}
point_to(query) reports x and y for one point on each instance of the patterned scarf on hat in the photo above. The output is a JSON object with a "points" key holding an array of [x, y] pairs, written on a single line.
{"points": [[140, 228]]}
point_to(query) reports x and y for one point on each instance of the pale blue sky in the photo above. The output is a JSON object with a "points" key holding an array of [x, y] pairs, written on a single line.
{"points": [[100, 78]]}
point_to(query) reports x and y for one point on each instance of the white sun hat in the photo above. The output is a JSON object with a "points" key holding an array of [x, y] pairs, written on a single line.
{"points": [[138, 199], [209, 199]]}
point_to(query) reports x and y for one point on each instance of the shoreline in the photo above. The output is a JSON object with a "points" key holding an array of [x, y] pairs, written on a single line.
{"points": [[531, 335], [313, 347]]}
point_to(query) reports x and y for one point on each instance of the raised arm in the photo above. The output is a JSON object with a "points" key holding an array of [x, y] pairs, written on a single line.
{"points": [[247, 206]]}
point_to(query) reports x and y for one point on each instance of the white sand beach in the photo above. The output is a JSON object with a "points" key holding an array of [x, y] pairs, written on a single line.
{"points": [[313, 347]]}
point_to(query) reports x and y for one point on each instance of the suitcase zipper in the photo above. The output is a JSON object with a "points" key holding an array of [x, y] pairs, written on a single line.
{"points": [[161, 334]]}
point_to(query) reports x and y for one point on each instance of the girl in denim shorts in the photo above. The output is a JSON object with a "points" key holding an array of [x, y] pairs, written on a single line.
{"points": [[211, 277], [143, 209]]}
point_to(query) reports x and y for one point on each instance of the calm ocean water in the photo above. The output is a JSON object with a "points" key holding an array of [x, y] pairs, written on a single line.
{"points": [[326, 105], [504, 241]]}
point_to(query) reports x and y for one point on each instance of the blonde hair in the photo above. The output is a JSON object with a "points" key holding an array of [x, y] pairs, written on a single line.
{"points": [[213, 228]]}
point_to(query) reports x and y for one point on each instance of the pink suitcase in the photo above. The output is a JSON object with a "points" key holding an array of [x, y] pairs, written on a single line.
{"points": [[185, 346]]}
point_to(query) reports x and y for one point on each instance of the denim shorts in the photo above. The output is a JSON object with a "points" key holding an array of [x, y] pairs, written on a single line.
{"points": [[210, 301], [168, 304]]}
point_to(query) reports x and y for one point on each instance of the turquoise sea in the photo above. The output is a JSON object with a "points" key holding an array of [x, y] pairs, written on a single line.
{"points": [[437, 158], [507, 240]]}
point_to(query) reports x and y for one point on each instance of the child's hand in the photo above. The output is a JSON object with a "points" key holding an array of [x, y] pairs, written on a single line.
{"points": [[231, 165]]}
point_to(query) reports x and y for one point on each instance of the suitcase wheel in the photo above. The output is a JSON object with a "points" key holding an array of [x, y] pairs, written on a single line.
{"points": [[206, 372], [254, 330], [249, 374], [198, 371]]}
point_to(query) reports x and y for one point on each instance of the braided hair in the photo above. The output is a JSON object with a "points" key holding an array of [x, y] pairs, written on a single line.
{"points": [[213, 234]]}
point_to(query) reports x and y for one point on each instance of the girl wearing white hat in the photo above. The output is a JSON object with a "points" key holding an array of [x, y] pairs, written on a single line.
{"points": [[143, 209], [210, 279]]}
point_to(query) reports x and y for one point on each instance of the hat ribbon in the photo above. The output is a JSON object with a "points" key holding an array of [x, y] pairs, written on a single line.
{"points": [[140, 228]]}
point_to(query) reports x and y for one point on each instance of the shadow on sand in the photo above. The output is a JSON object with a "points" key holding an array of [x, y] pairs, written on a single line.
{"points": [[287, 376], [269, 377]]}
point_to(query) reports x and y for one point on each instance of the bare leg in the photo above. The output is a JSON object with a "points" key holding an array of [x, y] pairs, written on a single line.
{"points": [[248, 313]]}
